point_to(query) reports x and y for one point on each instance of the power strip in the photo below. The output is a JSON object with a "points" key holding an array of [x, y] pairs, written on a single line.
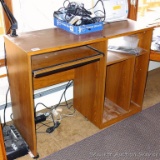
{"points": [[15, 145], [40, 118]]}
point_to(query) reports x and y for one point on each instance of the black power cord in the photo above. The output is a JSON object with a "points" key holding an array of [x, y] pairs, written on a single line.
{"points": [[6, 99], [42, 117], [103, 12], [4, 117], [55, 106], [51, 129]]}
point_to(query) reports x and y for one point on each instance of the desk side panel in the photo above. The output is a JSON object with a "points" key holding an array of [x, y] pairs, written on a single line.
{"points": [[89, 86], [20, 81], [119, 82], [139, 79], [141, 68], [85, 84]]}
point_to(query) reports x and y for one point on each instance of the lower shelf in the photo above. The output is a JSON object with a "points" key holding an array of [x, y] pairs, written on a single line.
{"points": [[112, 113]]}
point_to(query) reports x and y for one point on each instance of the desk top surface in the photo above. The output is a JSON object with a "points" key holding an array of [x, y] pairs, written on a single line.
{"points": [[55, 39]]}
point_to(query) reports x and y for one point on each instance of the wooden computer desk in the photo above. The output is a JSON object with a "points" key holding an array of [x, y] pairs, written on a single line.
{"points": [[108, 86]]}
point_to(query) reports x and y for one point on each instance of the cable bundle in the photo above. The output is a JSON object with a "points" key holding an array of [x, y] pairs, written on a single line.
{"points": [[76, 14]]}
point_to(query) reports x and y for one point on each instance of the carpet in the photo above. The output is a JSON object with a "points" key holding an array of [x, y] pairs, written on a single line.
{"points": [[135, 138]]}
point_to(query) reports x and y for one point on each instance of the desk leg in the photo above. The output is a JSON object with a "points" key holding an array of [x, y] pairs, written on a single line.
{"points": [[21, 89], [86, 95]]}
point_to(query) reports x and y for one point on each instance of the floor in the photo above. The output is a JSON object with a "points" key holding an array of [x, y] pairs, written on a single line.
{"points": [[152, 91], [75, 127]]}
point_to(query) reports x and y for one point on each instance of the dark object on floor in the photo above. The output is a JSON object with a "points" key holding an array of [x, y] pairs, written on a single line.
{"points": [[14, 143]]}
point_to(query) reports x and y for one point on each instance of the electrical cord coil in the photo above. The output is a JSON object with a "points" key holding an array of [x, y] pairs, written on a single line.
{"points": [[76, 14]]}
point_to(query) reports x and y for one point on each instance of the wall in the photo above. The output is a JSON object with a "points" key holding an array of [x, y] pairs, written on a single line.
{"points": [[38, 14], [153, 65]]}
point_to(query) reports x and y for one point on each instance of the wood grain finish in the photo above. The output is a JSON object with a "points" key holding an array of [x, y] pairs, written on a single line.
{"points": [[139, 79], [53, 79], [63, 56], [20, 81], [154, 56], [119, 81], [2, 147], [123, 28], [126, 79], [49, 40], [64, 60], [2, 64], [141, 68], [85, 87], [25, 54], [115, 76]]}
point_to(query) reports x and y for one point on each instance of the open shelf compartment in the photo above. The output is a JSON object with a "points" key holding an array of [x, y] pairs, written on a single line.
{"points": [[125, 73]]}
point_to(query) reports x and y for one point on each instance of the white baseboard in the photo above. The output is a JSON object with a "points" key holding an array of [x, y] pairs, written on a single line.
{"points": [[153, 65]]}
